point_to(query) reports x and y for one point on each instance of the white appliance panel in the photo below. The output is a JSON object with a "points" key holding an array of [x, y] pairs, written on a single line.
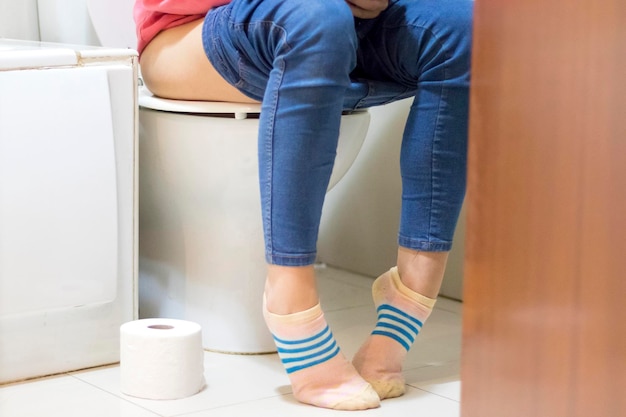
{"points": [[58, 199], [67, 206]]}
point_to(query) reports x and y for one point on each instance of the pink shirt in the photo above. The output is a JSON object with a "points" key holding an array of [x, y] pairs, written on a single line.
{"points": [[153, 16]]}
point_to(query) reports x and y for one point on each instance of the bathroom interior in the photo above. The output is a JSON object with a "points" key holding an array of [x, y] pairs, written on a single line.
{"points": [[101, 225], [59, 337]]}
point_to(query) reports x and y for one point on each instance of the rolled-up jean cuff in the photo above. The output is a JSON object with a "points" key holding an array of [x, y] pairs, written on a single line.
{"points": [[290, 259], [424, 246]]}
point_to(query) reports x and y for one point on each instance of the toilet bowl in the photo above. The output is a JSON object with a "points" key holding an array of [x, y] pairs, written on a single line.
{"points": [[201, 250]]}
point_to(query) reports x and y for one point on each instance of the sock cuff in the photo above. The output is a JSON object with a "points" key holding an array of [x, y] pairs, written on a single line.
{"points": [[407, 292], [301, 317]]}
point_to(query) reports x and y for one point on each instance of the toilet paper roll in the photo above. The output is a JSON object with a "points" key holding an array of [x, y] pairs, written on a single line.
{"points": [[161, 359]]}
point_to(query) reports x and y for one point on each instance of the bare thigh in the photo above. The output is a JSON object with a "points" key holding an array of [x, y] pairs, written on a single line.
{"points": [[174, 65]]}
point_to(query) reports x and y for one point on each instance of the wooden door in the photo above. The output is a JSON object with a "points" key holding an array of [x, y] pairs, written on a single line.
{"points": [[544, 331]]}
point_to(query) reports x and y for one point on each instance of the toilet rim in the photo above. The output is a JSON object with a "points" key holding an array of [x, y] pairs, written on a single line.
{"points": [[147, 100]]}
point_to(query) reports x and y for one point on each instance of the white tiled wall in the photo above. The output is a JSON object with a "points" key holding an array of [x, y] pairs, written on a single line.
{"points": [[18, 19], [53, 18]]}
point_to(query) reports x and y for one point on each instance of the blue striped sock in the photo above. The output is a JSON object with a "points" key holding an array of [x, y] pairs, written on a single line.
{"points": [[303, 353], [398, 325], [401, 316], [319, 373]]}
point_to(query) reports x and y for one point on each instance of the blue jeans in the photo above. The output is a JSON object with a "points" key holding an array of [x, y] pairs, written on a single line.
{"points": [[307, 61]]}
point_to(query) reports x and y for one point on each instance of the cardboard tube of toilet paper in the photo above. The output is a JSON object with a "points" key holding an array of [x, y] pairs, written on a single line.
{"points": [[161, 359]]}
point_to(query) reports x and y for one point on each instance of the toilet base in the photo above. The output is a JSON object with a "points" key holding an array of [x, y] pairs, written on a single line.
{"points": [[201, 246]]}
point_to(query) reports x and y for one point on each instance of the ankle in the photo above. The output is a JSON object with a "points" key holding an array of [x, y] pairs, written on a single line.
{"points": [[422, 272], [290, 290], [414, 296]]}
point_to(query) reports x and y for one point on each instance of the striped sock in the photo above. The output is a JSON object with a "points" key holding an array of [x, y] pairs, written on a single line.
{"points": [[401, 315], [398, 325], [319, 373]]}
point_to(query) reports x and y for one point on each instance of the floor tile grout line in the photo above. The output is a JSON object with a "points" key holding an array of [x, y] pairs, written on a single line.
{"points": [[119, 397], [437, 365], [225, 406], [436, 394], [421, 384], [331, 278], [349, 284], [439, 306], [34, 379], [328, 270]]}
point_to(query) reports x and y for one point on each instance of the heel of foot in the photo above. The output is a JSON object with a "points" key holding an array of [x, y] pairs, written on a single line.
{"points": [[389, 388], [381, 287]]}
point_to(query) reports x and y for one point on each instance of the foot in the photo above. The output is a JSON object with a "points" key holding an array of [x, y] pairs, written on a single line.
{"points": [[401, 315], [320, 374]]}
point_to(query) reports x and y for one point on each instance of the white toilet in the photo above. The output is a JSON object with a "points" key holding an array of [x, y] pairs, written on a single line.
{"points": [[201, 251]]}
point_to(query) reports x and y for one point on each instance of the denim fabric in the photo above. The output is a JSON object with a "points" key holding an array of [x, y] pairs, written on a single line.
{"points": [[307, 60]]}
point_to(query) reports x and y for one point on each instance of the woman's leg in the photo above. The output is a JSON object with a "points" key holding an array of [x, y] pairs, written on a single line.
{"points": [[296, 56], [425, 47]]}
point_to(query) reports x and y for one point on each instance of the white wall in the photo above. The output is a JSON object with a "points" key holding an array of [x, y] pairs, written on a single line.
{"points": [[361, 214], [18, 19], [63, 21], [66, 21]]}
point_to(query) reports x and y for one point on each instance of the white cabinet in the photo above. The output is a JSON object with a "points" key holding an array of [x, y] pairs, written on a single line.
{"points": [[67, 206]]}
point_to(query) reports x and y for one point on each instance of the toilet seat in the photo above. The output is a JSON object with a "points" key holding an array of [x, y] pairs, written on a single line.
{"points": [[240, 110]]}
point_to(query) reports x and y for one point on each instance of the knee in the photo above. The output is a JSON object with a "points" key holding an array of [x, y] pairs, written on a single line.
{"points": [[323, 21], [320, 32], [449, 45]]}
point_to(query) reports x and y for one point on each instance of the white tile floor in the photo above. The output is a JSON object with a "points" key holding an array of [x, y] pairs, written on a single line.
{"points": [[256, 385]]}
